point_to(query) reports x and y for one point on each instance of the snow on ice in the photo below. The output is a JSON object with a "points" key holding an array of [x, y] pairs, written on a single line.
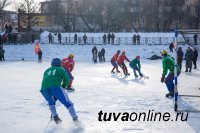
{"points": [[23, 109]]}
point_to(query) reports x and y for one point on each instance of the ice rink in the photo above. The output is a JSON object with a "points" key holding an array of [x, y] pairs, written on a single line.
{"points": [[23, 109]]}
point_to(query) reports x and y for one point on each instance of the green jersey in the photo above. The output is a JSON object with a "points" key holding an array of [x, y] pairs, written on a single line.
{"points": [[135, 63], [53, 77], [167, 63]]}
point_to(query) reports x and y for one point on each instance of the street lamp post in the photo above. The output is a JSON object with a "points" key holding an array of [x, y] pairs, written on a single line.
{"points": [[70, 27], [157, 24]]}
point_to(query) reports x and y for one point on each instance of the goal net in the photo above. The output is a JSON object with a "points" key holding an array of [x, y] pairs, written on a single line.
{"points": [[187, 102]]}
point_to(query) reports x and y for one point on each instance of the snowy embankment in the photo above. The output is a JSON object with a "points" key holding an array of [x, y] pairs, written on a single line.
{"points": [[82, 53]]}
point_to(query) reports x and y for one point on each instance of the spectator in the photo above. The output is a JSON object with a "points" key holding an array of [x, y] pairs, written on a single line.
{"points": [[33, 37], [9, 38], [180, 57], [50, 38], [2, 51], [94, 54], [15, 38], [109, 37], [6, 28], [113, 38], [40, 56], [4, 38], [138, 39], [103, 54], [104, 39], [195, 58], [59, 37], [195, 39], [188, 57], [134, 39], [75, 38], [171, 46], [100, 56], [84, 38], [1, 40], [10, 29]]}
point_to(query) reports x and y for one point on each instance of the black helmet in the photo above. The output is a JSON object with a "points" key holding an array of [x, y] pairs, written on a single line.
{"points": [[118, 51], [56, 62]]}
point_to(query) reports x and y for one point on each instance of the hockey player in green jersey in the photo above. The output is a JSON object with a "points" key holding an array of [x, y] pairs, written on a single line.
{"points": [[54, 79]]}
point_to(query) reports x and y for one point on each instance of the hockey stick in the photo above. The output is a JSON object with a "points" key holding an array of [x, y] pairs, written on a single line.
{"points": [[45, 130], [145, 77]]}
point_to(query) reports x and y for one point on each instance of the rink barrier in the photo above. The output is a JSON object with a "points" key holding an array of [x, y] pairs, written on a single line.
{"points": [[117, 41]]}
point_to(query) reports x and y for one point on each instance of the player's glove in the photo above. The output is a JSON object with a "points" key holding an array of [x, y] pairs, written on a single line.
{"points": [[162, 78]]}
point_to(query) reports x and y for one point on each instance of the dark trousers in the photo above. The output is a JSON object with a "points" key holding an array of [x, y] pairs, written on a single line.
{"points": [[2, 58], [179, 64], [39, 59], [194, 62], [103, 57]]}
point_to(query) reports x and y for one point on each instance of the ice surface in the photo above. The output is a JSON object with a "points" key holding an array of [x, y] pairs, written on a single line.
{"points": [[23, 109]]}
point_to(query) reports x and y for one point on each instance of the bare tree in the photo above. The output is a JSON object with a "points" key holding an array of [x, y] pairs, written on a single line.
{"points": [[3, 5], [90, 13], [196, 16], [111, 7], [173, 13], [62, 12], [27, 12]]}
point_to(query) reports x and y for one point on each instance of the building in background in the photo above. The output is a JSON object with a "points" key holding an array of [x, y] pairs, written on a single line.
{"points": [[114, 16], [9, 18]]}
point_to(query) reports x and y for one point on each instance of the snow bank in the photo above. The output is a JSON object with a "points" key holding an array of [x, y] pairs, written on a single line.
{"points": [[82, 53]]}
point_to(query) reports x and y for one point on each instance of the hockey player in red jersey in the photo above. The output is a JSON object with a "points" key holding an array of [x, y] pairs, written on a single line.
{"points": [[68, 65], [114, 62], [121, 63]]}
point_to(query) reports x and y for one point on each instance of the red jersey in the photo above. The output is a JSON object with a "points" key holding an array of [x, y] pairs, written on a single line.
{"points": [[68, 64], [122, 58], [114, 58]]}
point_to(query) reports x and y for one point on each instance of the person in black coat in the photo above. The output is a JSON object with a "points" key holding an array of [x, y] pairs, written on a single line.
{"points": [[195, 56], [109, 37], [85, 38], [100, 56], [103, 54], [50, 38], [10, 29], [113, 38], [138, 39], [188, 57], [180, 57], [33, 37], [75, 38], [6, 28], [134, 39], [171, 46], [195, 38], [94, 54], [40, 56], [59, 37], [104, 39], [2, 51], [1, 40]]}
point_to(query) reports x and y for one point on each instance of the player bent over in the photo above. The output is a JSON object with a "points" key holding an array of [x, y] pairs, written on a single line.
{"points": [[135, 65], [114, 62], [68, 65], [51, 87], [121, 63]]}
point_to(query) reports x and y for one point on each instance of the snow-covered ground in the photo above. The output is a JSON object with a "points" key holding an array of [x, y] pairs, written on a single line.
{"points": [[23, 109], [82, 53]]}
